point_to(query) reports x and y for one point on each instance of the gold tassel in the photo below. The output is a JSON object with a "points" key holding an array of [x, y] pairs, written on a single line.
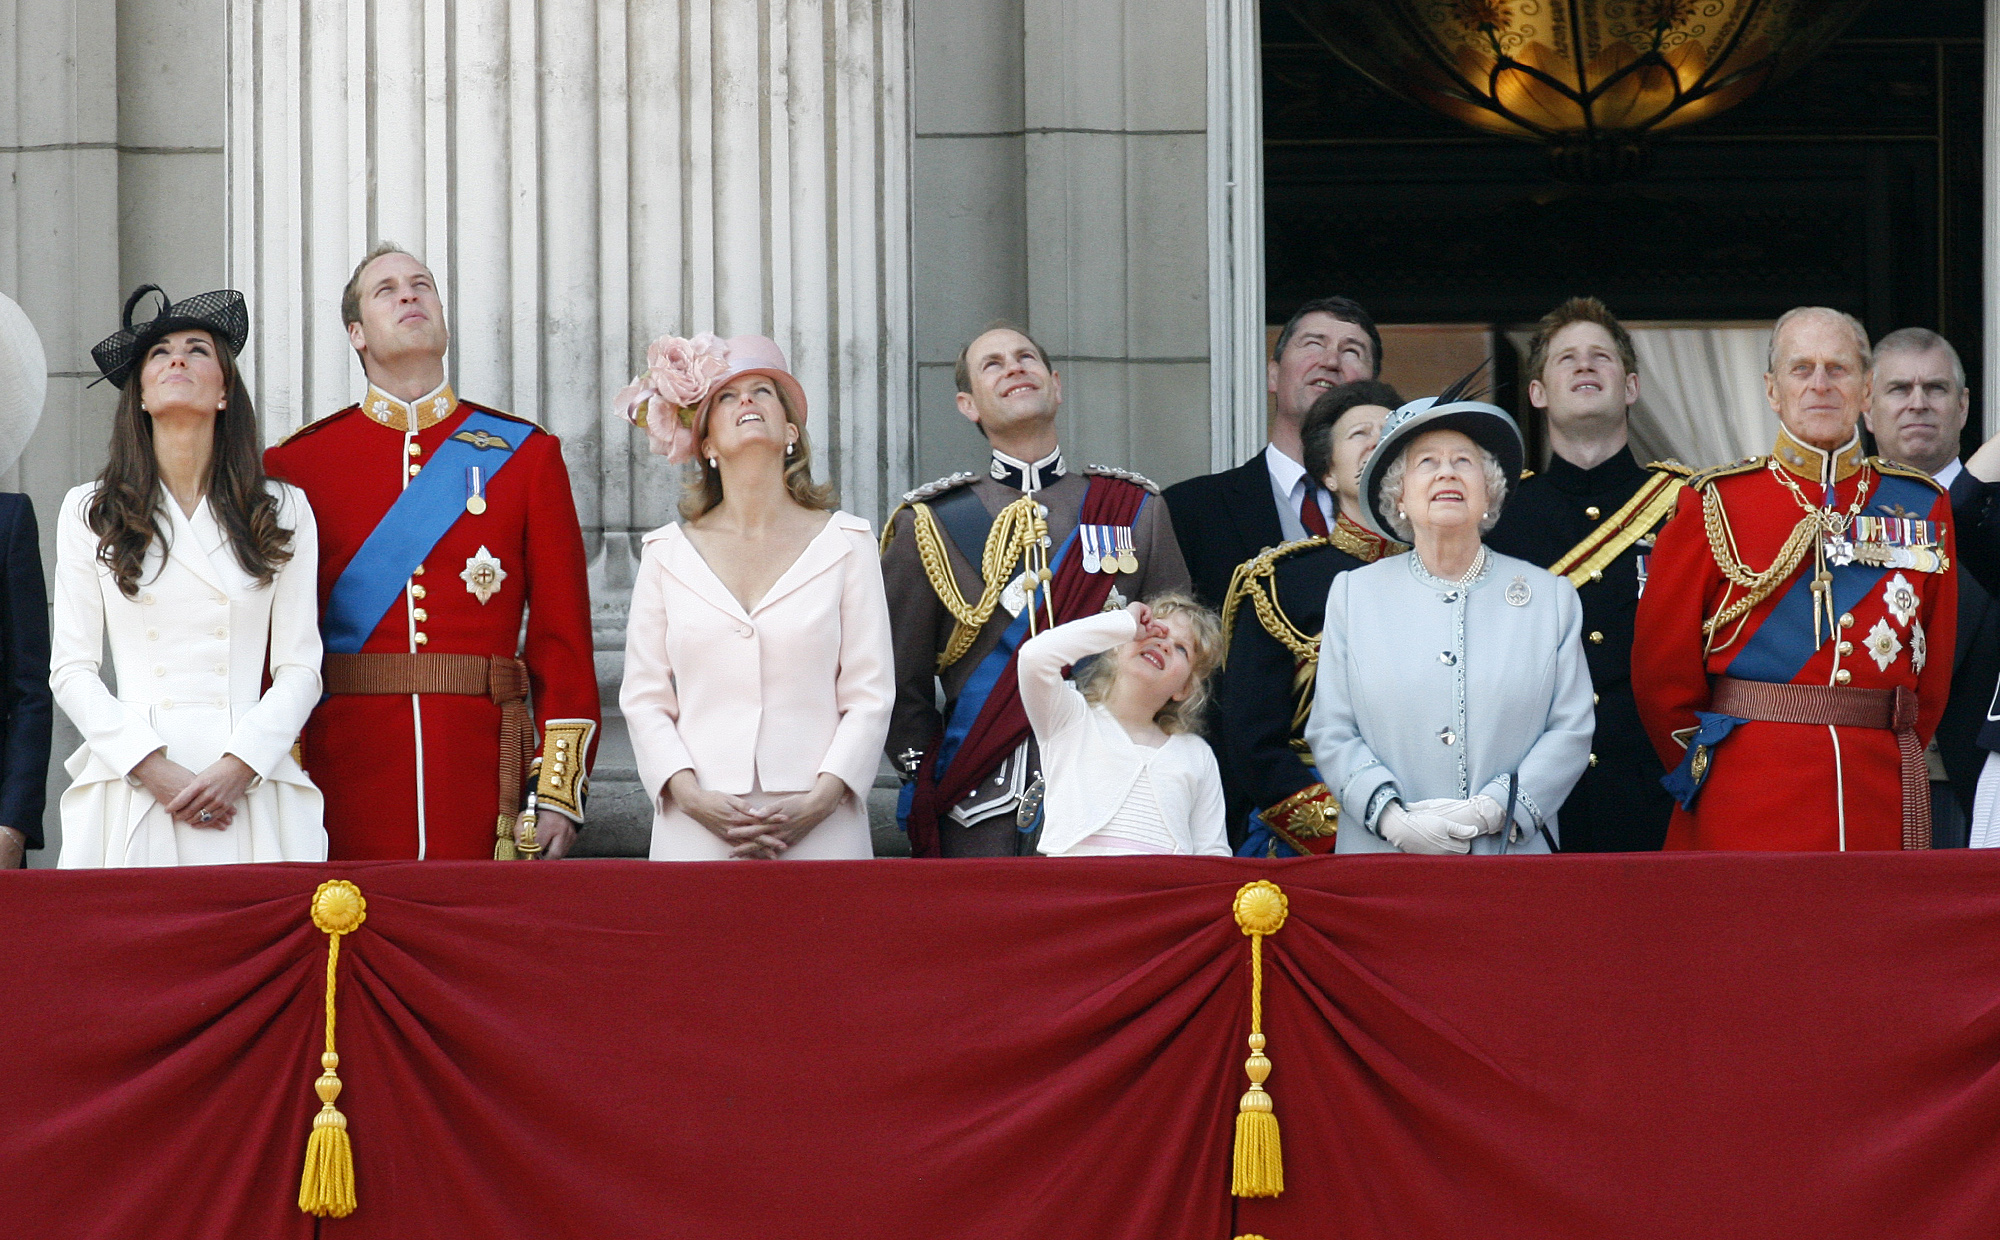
{"points": [[1259, 1163], [326, 1188]]}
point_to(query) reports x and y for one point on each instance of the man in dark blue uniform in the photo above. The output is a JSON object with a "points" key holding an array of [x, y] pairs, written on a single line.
{"points": [[1591, 516]]}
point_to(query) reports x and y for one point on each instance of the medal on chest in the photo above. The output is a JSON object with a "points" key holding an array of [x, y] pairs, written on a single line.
{"points": [[483, 575]]}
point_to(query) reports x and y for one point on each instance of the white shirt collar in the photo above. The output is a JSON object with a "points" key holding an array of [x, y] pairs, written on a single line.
{"points": [[1949, 474], [1285, 471]]}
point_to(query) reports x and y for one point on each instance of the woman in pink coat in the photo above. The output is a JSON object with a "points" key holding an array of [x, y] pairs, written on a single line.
{"points": [[757, 661]]}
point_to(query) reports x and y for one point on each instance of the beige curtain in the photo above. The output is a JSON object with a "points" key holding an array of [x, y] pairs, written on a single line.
{"points": [[1701, 393]]}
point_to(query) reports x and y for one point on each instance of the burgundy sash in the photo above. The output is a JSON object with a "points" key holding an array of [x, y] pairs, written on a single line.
{"points": [[1002, 723]]}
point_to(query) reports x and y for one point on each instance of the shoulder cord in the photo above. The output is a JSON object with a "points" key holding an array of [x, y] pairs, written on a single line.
{"points": [[1760, 586], [1257, 581], [1012, 529]]}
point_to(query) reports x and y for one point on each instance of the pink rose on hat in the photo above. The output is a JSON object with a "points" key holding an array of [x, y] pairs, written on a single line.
{"points": [[679, 374]]}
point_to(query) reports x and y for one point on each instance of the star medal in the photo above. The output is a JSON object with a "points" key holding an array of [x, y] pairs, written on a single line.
{"points": [[1883, 645], [483, 575], [1127, 561], [1087, 534], [475, 490]]}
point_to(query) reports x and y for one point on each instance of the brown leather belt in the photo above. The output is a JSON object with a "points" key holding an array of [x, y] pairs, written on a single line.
{"points": [[1842, 706], [504, 681]]}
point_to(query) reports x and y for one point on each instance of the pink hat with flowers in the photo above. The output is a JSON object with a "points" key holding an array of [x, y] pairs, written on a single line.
{"points": [[671, 398]]}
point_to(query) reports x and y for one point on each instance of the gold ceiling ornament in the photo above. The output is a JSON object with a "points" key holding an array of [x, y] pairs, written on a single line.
{"points": [[1592, 78]]}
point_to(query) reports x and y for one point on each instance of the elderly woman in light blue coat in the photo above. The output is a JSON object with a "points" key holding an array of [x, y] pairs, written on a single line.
{"points": [[1452, 712]]}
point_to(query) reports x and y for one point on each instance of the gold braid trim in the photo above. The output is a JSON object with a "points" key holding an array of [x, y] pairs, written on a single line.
{"points": [[1760, 586], [1256, 580], [1013, 529], [1649, 505]]}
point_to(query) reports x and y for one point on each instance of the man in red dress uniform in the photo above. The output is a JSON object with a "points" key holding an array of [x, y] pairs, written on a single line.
{"points": [[441, 522], [1794, 640]]}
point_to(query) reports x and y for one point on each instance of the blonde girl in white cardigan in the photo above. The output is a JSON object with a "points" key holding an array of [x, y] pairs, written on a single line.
{"points": [[1124, 767]]}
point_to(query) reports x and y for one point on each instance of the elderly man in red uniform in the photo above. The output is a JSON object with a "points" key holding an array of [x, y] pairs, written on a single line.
{"points": [[448, 731], [1794, 641]]}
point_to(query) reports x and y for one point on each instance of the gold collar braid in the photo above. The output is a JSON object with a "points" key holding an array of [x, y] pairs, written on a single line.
{"points": [[409, 417]]}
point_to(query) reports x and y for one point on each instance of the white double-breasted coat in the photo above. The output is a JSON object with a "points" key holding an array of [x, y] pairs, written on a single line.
{"points": [[190, 653]]}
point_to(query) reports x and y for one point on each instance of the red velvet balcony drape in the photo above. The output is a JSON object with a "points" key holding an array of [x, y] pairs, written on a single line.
{"points": [[1635, 1047]]}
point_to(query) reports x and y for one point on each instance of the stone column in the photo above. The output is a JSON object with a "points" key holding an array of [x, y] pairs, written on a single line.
{"points": [[1064, 153], [1988, 408], [1236, 313], [583, 177]]}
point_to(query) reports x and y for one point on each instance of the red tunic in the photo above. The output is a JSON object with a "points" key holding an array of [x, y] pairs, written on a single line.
{"points": [[1785, 785], [408, 777]]}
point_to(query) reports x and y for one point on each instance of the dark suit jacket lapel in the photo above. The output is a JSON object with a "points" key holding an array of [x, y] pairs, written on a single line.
{"points": [[1252, 508], [1972, 604]]}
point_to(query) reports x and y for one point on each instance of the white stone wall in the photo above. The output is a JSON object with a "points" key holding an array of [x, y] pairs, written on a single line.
{"points": [[1062, 182]]}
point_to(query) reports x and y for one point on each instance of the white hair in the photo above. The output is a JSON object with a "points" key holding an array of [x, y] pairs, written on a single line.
{"points": [[1861, 348], [1390, 505]]}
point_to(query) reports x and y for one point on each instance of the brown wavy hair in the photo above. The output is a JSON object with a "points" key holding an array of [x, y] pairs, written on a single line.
{"points": [[702, 489], [124, 511]]}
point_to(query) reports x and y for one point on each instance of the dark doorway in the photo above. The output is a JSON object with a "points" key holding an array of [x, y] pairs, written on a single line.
{"points": [[1854, 184]]}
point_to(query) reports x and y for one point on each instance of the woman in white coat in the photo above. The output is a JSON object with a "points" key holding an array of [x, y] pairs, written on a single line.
{"points": [[202, 574], [757, 661]]}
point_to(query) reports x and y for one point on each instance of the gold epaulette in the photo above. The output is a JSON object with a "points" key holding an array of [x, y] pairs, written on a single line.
{"points": [[1673, 467], [1112, 471], [1901, 470], [1255, 579], [1651, 504], [1701, 478], [321, 424]]}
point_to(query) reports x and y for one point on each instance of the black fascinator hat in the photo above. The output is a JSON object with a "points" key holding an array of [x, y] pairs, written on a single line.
{"points": [[221, 313]]}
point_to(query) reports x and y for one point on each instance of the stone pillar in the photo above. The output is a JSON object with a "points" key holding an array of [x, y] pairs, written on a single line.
{"points": [[1063, 155], [583, 177], [1236, 313], [1988, 408]]}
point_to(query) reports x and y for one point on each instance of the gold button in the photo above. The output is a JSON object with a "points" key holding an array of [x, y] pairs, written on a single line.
{"points": [[1593, 759], [419, 572], [562, 742], [1597, 574], [1593, 699], [422, 615], [423, 639], [416, 449], [1596, 638], [1591, 512], [1846, 648], [417, 591], [415, 470], [1842, 676], [1847, 621]]}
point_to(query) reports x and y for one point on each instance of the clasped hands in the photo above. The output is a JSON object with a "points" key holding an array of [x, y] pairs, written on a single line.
{"points": [[1440, 826], [188, 796], [756, 832]]}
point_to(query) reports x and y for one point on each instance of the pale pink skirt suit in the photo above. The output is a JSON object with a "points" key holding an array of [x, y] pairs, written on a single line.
{"points": [[759, 703]]}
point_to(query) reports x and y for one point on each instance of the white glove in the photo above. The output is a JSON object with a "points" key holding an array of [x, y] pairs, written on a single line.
{"points": [[1415, 831], [1481, 811]]}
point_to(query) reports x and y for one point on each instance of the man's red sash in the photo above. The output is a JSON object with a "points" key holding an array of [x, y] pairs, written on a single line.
{"points": [[1002, 723]]}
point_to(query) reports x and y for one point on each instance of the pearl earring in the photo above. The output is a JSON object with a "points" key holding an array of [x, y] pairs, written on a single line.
{"points": [[790, 448], [711, 462]]}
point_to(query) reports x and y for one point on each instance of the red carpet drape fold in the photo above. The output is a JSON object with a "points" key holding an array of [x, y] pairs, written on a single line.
{"points": [[1663, 1046]]}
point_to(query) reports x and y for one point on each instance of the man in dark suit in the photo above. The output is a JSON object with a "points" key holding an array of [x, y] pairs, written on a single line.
{"points": [[1918, 412], [1224, 519], [25, 702]]}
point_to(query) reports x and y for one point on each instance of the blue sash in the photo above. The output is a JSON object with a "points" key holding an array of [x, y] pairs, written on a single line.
{"points": [[1783, 643], [433, 502]]}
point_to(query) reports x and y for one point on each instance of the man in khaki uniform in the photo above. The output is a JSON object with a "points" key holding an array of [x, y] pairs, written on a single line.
{"points": [[972, 784]]}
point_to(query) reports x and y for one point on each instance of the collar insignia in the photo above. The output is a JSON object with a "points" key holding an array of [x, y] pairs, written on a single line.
{"points": [[409, 417]]}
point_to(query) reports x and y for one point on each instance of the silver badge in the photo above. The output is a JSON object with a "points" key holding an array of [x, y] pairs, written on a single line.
{"points": [[1518, 592], [483, 575], [1015, 597]]}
